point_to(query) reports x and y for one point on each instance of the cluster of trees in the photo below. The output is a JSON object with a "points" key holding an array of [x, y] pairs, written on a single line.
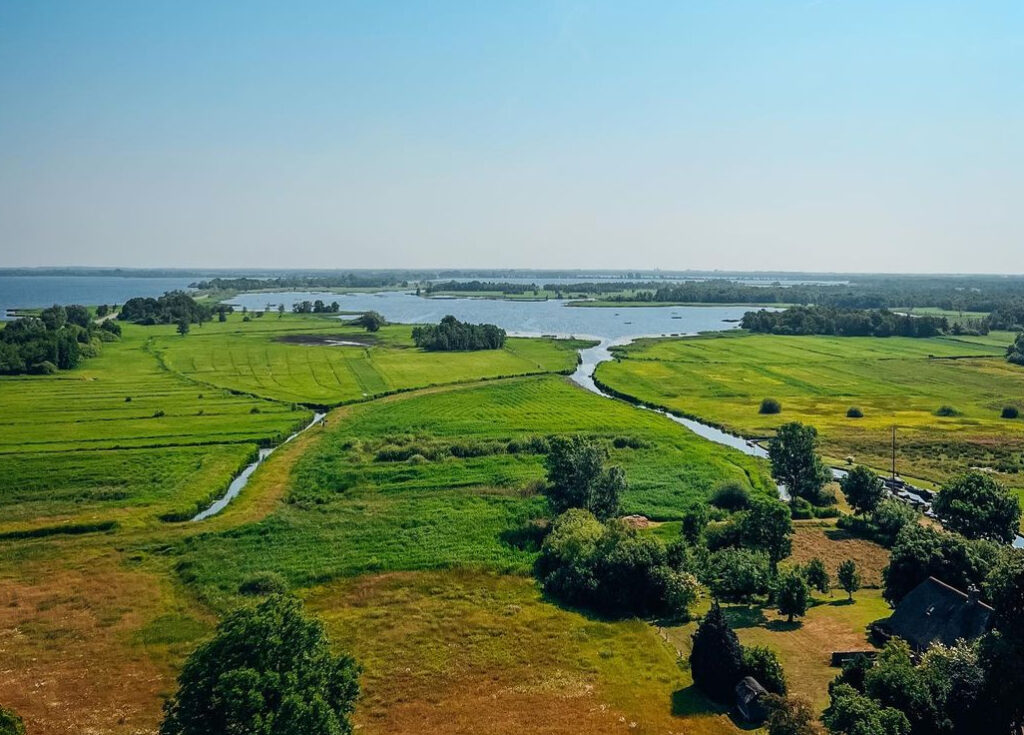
{"points": [[1015, 352], [58, 339], [316, 307], [589, 558], [452, 335], [338, 280], [174, 307], [268, 670], [611, 568], [483, 286], [843, 322]]}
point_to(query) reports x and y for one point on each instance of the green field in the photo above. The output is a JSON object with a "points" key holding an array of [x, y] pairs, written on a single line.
{"points": [[900, 382], [251, 357], [477, 510], [74, 448]]}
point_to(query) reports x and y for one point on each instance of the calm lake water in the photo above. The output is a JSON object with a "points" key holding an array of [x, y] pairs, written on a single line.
{"points": [[524, 318], [29, 292]]}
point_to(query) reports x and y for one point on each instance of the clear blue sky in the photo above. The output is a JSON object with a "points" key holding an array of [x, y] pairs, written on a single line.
{"points": [[803, 135]]}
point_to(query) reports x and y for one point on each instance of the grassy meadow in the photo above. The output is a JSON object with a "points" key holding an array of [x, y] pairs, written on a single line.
{"points": [[268, 357], [722, 378], [409, 524]]}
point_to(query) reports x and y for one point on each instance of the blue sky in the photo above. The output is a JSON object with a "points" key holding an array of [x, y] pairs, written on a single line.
{"points": [[828, 135]]}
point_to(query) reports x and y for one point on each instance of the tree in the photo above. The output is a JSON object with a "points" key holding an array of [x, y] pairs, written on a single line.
{"points": [[738, 574], [578, 478], [767, 527], [976, 506], [1015, 352], [849, 577], [921, 552], [1005, 585], [891, 516], [795, 463], [268, 670], [716, 659], [851, 713], [371, 321], [790, 716], [863, 489], [183, 327], [280, 311], [695, 520], [10, 723], [817, 575], [793, 596], [763, 664]]}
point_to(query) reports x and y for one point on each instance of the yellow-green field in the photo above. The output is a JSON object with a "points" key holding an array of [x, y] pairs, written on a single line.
{"points": [[251, 357], [902, 382]]}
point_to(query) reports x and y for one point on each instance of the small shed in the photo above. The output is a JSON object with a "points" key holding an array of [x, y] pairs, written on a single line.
{"points": [[750, 699], [933, 612]]}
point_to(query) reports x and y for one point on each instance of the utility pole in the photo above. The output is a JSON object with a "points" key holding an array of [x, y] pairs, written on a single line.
{"points": [[894, 453]]}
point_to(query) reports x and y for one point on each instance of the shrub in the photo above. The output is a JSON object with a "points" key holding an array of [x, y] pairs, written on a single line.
{"points": [[10, 723], [127, 399], [770, 406], [1010, 412], [159, 413], [854, 413], [630, 442], [946, 411], [763, 664], [890, 517], [43, 368], [801, 509], [731, 496], [254, 409], [263, 583]]}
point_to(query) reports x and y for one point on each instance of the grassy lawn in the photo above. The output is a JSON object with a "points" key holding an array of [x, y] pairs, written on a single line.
{"points": [[268, 357], [721, 379]]}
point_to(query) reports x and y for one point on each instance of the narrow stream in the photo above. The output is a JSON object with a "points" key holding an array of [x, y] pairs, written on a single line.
{"points": [[242, 478]]}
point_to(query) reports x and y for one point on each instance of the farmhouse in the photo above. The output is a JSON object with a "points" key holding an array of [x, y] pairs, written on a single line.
{"points": [[933, 612], [750, 699]]}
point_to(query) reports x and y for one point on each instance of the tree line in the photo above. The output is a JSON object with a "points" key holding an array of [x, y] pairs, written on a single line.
{"points": [[451, 335], [841, 322], [174, 307], [58, 339]]}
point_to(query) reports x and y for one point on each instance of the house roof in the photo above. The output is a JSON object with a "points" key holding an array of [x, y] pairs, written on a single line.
{"points": [[933, 612], [747, 689]]}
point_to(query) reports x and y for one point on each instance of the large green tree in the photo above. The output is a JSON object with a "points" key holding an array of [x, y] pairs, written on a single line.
{"points": [[268, 670], [716, 659], [976, 506], [863, 489], [793, 596], [579, 479], [795, 462], [767, 527]]}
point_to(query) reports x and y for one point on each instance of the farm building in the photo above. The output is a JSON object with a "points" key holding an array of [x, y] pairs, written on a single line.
{"points": [[933, 612], [750, 699]]}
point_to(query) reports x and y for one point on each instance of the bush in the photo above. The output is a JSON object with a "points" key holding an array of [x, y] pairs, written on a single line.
{"points": [[890, 517], [946, 411], [1010, 412], [731, 496], [801, 509], [43, 368], [770, 406], [263, 583], [763, 664], [854, 413], [10, 723], [159, 413]]}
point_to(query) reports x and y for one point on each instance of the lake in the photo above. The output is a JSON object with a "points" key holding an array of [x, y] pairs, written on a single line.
{"points": [[30, 292]]}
